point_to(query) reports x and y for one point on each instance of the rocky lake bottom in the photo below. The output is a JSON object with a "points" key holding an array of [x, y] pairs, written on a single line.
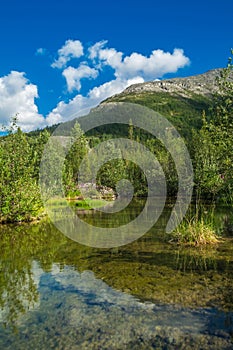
{"points": [[58, 294]]}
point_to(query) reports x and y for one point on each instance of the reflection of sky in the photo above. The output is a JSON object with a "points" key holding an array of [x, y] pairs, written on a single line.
{"points": [[79, 308], [93, 300]]}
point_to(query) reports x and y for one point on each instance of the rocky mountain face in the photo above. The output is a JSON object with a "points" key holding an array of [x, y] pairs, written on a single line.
{"points": [[201, 84], [182, 100]]}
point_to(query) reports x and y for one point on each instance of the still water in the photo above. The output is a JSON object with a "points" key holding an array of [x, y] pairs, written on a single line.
{"points": [[58, 294]]}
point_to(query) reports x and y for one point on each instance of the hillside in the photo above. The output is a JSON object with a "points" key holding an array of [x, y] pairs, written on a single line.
{"points": [[181, 100]]}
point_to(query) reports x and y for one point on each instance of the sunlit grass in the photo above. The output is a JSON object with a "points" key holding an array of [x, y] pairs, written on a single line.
{"points": [[88, 203], [194, 232]]}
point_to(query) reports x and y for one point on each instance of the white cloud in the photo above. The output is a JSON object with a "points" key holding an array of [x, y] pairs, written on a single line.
{"points": [[41, 51], [71, 49], [149, 68], [152, 67], [17, 96], [74, 75], [68, 111], [128, 70], [81, 105], [111, 88], [94, 49], [106, 56], [111, 57]]}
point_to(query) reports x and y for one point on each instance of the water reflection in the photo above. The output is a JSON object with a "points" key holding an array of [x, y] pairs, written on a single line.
{"points": [[19, 293], [58, 294], [79, 311], [19, 279]]}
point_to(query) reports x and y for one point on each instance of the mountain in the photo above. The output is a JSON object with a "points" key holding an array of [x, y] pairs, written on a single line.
{"points": [[201, 84], [181, 100]]}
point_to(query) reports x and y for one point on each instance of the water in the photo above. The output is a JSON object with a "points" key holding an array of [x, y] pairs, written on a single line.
{"points": [[58, 294]]}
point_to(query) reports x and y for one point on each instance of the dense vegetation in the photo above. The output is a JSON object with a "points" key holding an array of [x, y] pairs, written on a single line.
{"points": [[206, 124], [19, 169], [185, 113]]}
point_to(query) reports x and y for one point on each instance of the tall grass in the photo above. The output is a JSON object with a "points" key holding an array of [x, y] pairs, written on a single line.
{"points": [[197, 229], [194, 232]]}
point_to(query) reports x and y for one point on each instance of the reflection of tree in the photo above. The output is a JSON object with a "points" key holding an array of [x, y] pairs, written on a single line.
{"points": [[18, 292], [19, 246], [123, 217], [17, 289], [147, 268], [201, 260]]}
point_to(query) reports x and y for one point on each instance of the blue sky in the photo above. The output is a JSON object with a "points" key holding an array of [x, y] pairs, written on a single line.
{"points": [[59, 58]]}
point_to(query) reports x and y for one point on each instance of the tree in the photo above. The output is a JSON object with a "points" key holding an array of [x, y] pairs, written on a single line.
{"points": [[19, 191], [78, 150], [214, 144]]}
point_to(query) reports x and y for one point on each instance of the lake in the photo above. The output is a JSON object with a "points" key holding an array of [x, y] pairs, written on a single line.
{"points": [[58, 294]]}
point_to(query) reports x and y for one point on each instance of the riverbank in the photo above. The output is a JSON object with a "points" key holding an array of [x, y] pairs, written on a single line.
{"points": [[191, 232]]}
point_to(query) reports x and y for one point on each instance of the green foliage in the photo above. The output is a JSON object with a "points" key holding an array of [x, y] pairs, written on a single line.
{"points": [[112, 171], [206, 124], [213, 145], [51, 168], [37, 147], [77, 152], [208, 178], [19, 192], [194, 232], [183, 112]]}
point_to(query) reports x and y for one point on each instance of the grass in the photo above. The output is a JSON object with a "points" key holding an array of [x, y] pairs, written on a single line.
{"points": [[57, 204], [194, 233], [88, 203]]}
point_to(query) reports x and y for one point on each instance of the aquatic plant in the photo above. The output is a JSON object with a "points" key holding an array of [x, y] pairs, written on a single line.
{"points": [[194, 232]]}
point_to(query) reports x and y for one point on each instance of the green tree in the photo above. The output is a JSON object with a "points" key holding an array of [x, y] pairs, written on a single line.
{"points": [[19, 191], [214, 143], [78, 150]]}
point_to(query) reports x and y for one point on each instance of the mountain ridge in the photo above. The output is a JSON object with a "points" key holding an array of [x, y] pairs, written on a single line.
{"points": [[204, 84], [181, 100]]}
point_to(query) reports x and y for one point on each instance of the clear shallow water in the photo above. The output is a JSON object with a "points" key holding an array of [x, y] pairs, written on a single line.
{"points": [[57, 294]]}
